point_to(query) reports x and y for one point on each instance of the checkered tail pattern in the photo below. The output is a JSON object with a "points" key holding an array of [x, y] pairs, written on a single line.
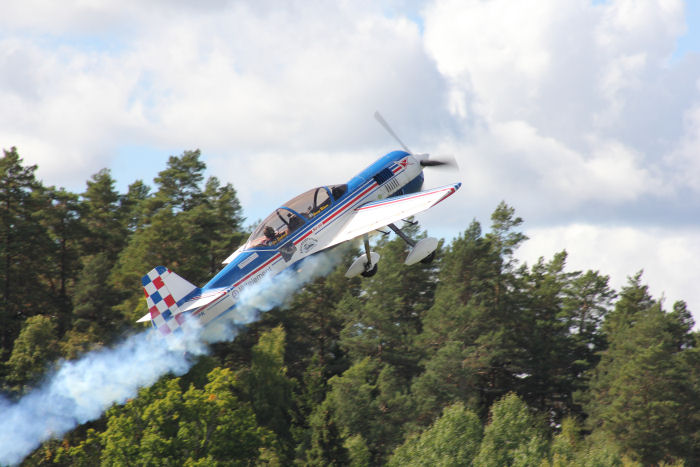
{"points": [[165, 314]]}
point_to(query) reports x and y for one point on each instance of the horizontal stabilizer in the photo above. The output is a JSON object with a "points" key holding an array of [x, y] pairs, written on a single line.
{"points": [[145, 318]]}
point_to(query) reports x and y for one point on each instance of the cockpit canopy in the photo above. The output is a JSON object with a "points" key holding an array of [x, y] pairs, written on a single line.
{"points": [[294, 214]]}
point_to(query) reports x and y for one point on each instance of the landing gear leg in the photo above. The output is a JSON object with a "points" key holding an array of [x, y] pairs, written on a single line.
{"points": [[370, 269], [365, 264], [403, 236], [422, 250]]}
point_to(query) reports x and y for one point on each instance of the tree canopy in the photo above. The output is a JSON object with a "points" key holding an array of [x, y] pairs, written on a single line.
{"points": [[475, 359]]}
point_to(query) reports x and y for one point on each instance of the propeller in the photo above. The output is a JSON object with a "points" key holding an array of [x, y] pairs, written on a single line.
{"points": [[447, 162], [386, 126], [424, 159]]}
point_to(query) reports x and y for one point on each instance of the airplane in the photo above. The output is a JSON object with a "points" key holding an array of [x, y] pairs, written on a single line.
{"points": [[387, 191]]}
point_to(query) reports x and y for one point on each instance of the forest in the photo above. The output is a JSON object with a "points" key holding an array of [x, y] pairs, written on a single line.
{"points": [[474, 359]]}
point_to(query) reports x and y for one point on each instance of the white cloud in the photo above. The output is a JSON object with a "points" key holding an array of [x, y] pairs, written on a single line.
{"points": [[569, 69], [233, 78], [684, 161], [569, 111]]}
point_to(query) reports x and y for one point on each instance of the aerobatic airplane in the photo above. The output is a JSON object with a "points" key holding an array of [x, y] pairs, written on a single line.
{"points": [[382, 194]]}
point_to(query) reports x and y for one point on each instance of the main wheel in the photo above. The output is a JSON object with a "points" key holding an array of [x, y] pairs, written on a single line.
{"points": [[428, 259], [371, 272]]}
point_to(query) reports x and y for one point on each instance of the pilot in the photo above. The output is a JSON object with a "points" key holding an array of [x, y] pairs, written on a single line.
{"points": [[294, 222], [270, 234], [338, 191]]}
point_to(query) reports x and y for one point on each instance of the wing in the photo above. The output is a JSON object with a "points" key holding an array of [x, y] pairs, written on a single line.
{"points": [[377, 214]]}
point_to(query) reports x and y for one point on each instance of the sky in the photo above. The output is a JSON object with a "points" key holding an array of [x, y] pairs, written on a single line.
{"points": [[582, 115]]}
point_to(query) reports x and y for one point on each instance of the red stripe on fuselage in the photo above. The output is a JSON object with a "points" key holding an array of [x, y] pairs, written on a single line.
{"points": [[302, 237]]}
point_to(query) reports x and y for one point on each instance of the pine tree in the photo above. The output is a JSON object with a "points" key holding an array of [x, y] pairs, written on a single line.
{"points": [[179, 184], [67, 232], [178, 226], [469, 334], [386, 319], [326, 444], [556, 340], [95, 298], [132, 206], [313, 321], [24, 247], [370, 400], [266, 385], [640, 393], [587, 300], [103, 216]]}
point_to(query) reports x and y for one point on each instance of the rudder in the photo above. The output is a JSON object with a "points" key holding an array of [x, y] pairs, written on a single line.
{"points": [[163, 289]]}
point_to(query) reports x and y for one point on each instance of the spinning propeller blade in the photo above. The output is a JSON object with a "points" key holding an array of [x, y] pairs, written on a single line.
{"points": [[386, 126], [447, 162]]}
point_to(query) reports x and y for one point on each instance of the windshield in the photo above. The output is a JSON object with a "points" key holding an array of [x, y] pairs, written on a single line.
{"points": [[288, 218], [275, 228], [294, 214]]}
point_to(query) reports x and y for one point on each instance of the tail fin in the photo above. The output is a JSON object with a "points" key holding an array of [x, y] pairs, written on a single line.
{"points": [[164, 289]]}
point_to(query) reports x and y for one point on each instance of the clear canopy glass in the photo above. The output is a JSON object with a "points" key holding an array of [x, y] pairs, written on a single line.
{"points": [[292, 215]]}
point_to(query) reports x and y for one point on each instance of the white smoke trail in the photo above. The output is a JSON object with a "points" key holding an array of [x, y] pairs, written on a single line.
{"points": [[79, 391], [270, 292]]}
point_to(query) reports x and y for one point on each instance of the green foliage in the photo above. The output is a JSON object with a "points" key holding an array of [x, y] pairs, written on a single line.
{"points": [[24, 247], [66, 231], [35, 347], [358, 452], [568, 448], [168, 426], [385, 321], [179, 184], [473, 359], [368, 400], [266, 385], [514, 436], [453, 439], [470, 333], [95, 296], [640, 393], [326, 445], [103, 216], [188, 229]]}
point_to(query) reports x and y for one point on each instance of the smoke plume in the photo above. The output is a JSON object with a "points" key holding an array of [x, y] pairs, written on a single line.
{"points": [[81, 390]]}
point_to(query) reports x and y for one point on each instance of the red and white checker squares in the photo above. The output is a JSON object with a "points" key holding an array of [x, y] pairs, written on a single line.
{"points": [[155, 287]]}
